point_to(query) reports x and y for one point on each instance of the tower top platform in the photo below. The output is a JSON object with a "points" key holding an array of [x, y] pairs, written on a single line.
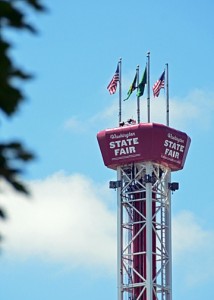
{"points": [[144, 142]]}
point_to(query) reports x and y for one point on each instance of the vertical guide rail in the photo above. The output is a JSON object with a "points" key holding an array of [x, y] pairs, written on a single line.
{"points": [[149, 267], [119, 238], [168, 242]]}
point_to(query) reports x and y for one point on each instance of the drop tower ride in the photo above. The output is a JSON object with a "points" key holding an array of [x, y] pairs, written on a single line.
{"points": [[144, 155]]}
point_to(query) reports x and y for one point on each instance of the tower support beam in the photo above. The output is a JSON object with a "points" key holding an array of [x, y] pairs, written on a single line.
{"points": [[144, 232], [149, 230]]}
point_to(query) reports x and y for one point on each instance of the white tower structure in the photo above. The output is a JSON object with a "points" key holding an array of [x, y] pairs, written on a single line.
{"points": [[144, 155]]}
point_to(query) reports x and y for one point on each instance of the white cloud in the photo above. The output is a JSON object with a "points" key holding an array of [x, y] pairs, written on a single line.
{"points": [[69, 220], [74, 124], [66, 220], [195, 108], [188, 235], [193, 248]]}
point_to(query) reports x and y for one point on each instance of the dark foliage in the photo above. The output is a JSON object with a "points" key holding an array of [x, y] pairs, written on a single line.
{"points": [[13, 154]]}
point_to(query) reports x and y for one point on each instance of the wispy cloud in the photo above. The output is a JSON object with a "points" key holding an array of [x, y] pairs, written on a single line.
{"points": [[75, 124], [70, 220], [66, 220], [193, 248], [196, 109]]}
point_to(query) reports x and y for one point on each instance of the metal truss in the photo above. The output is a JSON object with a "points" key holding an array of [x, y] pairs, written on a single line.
{"points": [[144, 232]]}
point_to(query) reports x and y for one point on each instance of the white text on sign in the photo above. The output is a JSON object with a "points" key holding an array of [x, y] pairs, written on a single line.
{"points": [[173, 149], [126, 146]]}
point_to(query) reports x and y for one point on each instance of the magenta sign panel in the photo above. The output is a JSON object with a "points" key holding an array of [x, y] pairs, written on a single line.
{"points": [[144, 142]]}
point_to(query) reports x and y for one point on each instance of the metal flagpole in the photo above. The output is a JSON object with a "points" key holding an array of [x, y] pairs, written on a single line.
{"points": [[138, 98], [120, 91], [167, 95], [148, 86]]}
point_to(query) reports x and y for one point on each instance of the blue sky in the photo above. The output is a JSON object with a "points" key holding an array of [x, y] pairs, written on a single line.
{"points": [[61, 243]]}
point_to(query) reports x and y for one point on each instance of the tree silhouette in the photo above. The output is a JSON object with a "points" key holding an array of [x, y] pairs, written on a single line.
{"points": [[13, 153]]}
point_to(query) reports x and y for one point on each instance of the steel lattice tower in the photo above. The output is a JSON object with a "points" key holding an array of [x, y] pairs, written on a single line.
{"points": [[144, 155], [144, 235]]}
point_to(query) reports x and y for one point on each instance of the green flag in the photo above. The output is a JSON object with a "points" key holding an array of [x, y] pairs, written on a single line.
{"points": [[132, 87], [141, 86]]}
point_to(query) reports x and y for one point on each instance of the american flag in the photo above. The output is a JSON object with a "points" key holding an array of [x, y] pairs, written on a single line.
{"points": [[112, 87], [159, 84]]}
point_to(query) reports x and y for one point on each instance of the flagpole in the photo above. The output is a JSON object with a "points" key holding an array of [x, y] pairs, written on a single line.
{"points": [[148, 86], [138, 98], [167, 95], [120, 91]]}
